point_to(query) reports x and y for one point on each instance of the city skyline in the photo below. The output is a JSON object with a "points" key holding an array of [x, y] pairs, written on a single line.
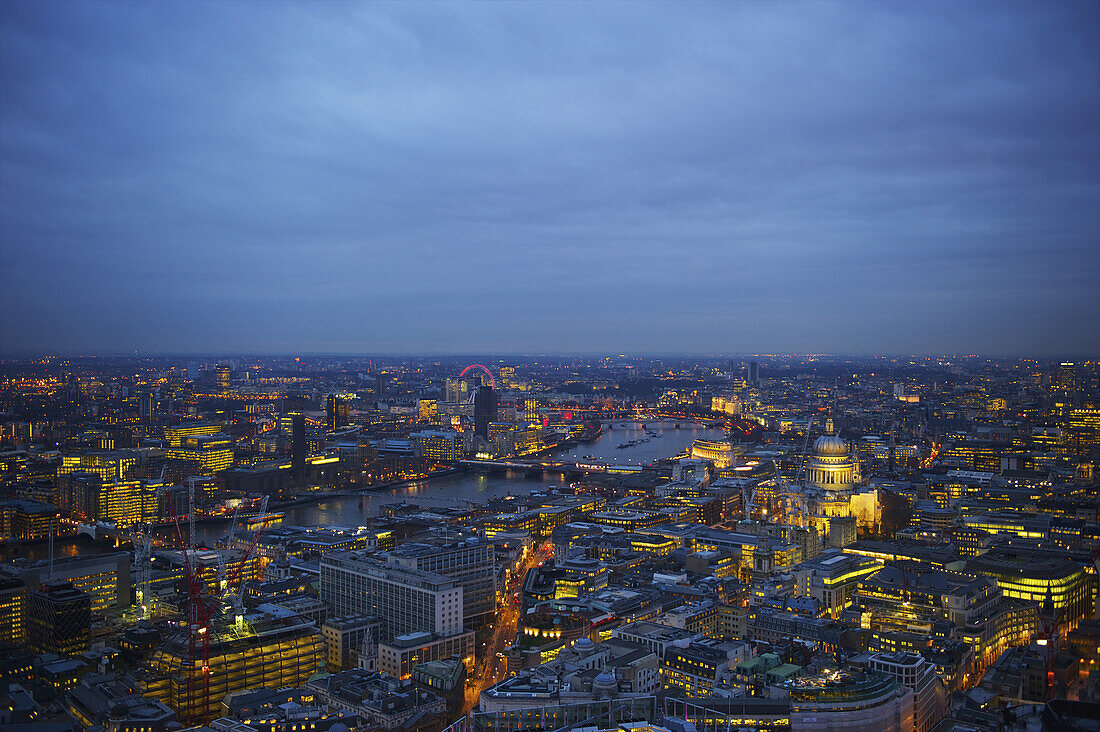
{"points": [[550, 178]]}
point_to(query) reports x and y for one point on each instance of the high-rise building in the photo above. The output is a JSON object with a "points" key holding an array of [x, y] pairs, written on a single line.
{"points": [[469, 561], [531, 411], [88, 497], [13, 610], [27, 520], [174, 434], [1067, 377], [336, 412], [485, 410], [752, 373], [298, 447], [147, 406], [221, 378], [456, 391], [107, 465], [58, 618], [407, 600], [428, 409]]}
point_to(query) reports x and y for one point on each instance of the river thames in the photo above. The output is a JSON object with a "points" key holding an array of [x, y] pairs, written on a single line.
{"points": [[454, 490], [462, 488]]}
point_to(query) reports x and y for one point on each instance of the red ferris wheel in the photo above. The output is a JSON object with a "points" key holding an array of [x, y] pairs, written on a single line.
{"points": [[477, 366]]}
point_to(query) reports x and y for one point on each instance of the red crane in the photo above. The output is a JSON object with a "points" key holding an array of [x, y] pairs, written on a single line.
{"points": [[235, 597], [199, 614]]}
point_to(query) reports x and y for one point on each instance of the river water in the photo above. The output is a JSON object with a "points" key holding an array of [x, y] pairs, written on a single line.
{"points": [[459, 489]]}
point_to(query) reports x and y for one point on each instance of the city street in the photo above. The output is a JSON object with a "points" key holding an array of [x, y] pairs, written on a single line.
{"points": [[489, 667]]}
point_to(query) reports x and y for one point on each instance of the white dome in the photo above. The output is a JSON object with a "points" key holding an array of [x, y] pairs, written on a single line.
{"points": [[828, 445]]}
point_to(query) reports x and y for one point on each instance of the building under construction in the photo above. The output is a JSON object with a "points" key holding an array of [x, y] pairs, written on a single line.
{"points": [[272, 653]]}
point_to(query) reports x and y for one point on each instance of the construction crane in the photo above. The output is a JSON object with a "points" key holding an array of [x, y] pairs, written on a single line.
{"points": [[236, 599], [805, 450], [200, 612], [145, 553], [790, 498]]}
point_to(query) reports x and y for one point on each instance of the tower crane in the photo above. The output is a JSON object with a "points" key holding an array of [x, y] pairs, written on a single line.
{"points": [[200, 611]]}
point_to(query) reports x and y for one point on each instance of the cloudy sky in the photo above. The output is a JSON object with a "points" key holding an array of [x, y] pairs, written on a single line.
{"points": [[578, 177]]}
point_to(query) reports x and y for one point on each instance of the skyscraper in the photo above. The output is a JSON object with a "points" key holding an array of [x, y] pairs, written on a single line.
{"points": [[221, 378], [298, 447], [485, 410], [336, 412], [457, 391], [752, 373], [531, 411]]}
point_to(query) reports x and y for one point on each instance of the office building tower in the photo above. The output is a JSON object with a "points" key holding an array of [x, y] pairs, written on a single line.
{"points": [[212, 453], [89, 498], [147, 407], [58, 618], [428, 409], [13, 610], [117, 465], [531, 411], [469, 561], [105, 577], [407, 600], [456, 391], [485, 410], [298, 447], [1067, 376], [221, 378], [752, 373], [380, 383], [27, 520], [336, 413]]}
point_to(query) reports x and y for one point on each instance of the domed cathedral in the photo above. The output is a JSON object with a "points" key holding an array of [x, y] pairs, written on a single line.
{"points": [[833, 489], [831, 466]]}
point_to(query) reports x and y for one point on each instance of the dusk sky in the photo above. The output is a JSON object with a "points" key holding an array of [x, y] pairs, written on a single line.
{"points": [[550, 178]]}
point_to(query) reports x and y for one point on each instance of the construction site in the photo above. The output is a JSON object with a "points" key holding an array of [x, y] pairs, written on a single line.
{"points": [[217, 647]]}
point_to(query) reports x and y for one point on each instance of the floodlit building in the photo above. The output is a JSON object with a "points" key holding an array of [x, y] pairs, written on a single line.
{"points": [[1057, 583], [211, 452], [266, 652]]}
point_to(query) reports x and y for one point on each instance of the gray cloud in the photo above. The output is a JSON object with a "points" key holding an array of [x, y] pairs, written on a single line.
{"points": [[550, 177]]}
